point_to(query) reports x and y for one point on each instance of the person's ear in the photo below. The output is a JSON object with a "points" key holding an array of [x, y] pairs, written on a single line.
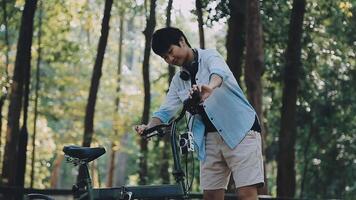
{"points": [[182, 42]]}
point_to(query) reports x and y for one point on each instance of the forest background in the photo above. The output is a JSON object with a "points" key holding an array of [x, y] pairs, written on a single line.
{"points": [[295, 60]]}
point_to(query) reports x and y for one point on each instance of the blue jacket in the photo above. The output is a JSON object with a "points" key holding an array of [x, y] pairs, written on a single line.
{"points": [[227, 107]]}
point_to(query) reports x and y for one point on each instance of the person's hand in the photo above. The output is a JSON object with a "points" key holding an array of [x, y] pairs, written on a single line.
{"points": [[205, 91], [140, 128]]}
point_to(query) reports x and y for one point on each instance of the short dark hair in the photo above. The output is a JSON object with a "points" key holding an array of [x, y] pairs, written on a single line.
{"points": [[163, 38]]}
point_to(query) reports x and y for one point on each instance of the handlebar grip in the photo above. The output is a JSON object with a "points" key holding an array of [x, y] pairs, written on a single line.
{"points": [[152, 129], [155, 130]]}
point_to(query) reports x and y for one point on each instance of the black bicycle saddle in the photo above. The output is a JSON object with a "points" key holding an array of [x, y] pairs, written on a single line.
{"points": [[84, 153]]}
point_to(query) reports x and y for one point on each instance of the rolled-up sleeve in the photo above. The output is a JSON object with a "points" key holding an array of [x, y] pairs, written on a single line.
{"points": [[171, 105], [217, 65]]}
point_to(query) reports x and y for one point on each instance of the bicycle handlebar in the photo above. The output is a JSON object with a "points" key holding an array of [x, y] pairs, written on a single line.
{"points": [[189, 104]]}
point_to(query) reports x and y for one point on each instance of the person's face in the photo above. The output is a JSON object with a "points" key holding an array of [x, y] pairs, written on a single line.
{"points": [[177, 55]]}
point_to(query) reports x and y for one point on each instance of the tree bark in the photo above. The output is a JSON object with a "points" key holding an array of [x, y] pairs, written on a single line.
{"points": [[150, 26], [199, 12], [255, 65], [95, 80], [287, 135], [235, 39], [23, 139], [22, 65]]}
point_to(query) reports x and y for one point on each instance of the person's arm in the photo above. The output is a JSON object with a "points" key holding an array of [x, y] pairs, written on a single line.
{"points": [[166, 111], [206, 90], [215, 81], [153, 122]]}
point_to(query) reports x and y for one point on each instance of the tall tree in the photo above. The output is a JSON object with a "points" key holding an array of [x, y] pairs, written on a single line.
{"points": [[39, 52], [235, 39], [23, 139], [22, 65], [171, 69], [121, 167], [255, 63], [95, 80], [199, 13], [111, 176], [148, 32], [164, 171], [286, 157]]}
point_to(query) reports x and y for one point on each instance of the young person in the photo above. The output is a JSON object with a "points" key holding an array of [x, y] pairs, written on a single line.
{"points": [[226, 129]]}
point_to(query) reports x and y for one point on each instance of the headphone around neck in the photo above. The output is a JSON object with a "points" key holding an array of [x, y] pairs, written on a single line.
{"points": [[184, 73]]}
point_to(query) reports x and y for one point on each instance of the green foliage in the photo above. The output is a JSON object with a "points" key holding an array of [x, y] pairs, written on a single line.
{"points": [[324, 150]]}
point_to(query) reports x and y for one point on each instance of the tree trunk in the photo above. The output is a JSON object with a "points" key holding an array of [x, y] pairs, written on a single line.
{"points": [[164, 173], [95, 175], [95, 80], [111, 170], [111, 173], [286, 157], [130, 57], [36, 95], [90, 108], [235, 44], [235, 40], [121, 162], [199, 12], [171, 68], [255, 65], [56, 170], [23, 139], [306, 158], [22, 65], [150, 26]]}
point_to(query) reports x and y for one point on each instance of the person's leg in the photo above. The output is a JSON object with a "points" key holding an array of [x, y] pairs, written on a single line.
{"points": [[246, 164], [247, 193], [214, 194], [214, 173]]}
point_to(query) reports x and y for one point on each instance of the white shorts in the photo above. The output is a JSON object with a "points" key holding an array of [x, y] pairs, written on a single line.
{"points": [[245, 162]]}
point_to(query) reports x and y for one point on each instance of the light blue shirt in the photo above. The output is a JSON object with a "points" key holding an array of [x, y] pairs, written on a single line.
{"points": [[227, 107]]}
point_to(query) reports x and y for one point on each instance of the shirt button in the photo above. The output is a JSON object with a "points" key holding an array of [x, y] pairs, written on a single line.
{"points": [[220, 130], [211, 118]]}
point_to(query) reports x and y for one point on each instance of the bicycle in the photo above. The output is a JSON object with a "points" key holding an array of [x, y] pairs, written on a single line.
{"points": [[81, 156]]}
